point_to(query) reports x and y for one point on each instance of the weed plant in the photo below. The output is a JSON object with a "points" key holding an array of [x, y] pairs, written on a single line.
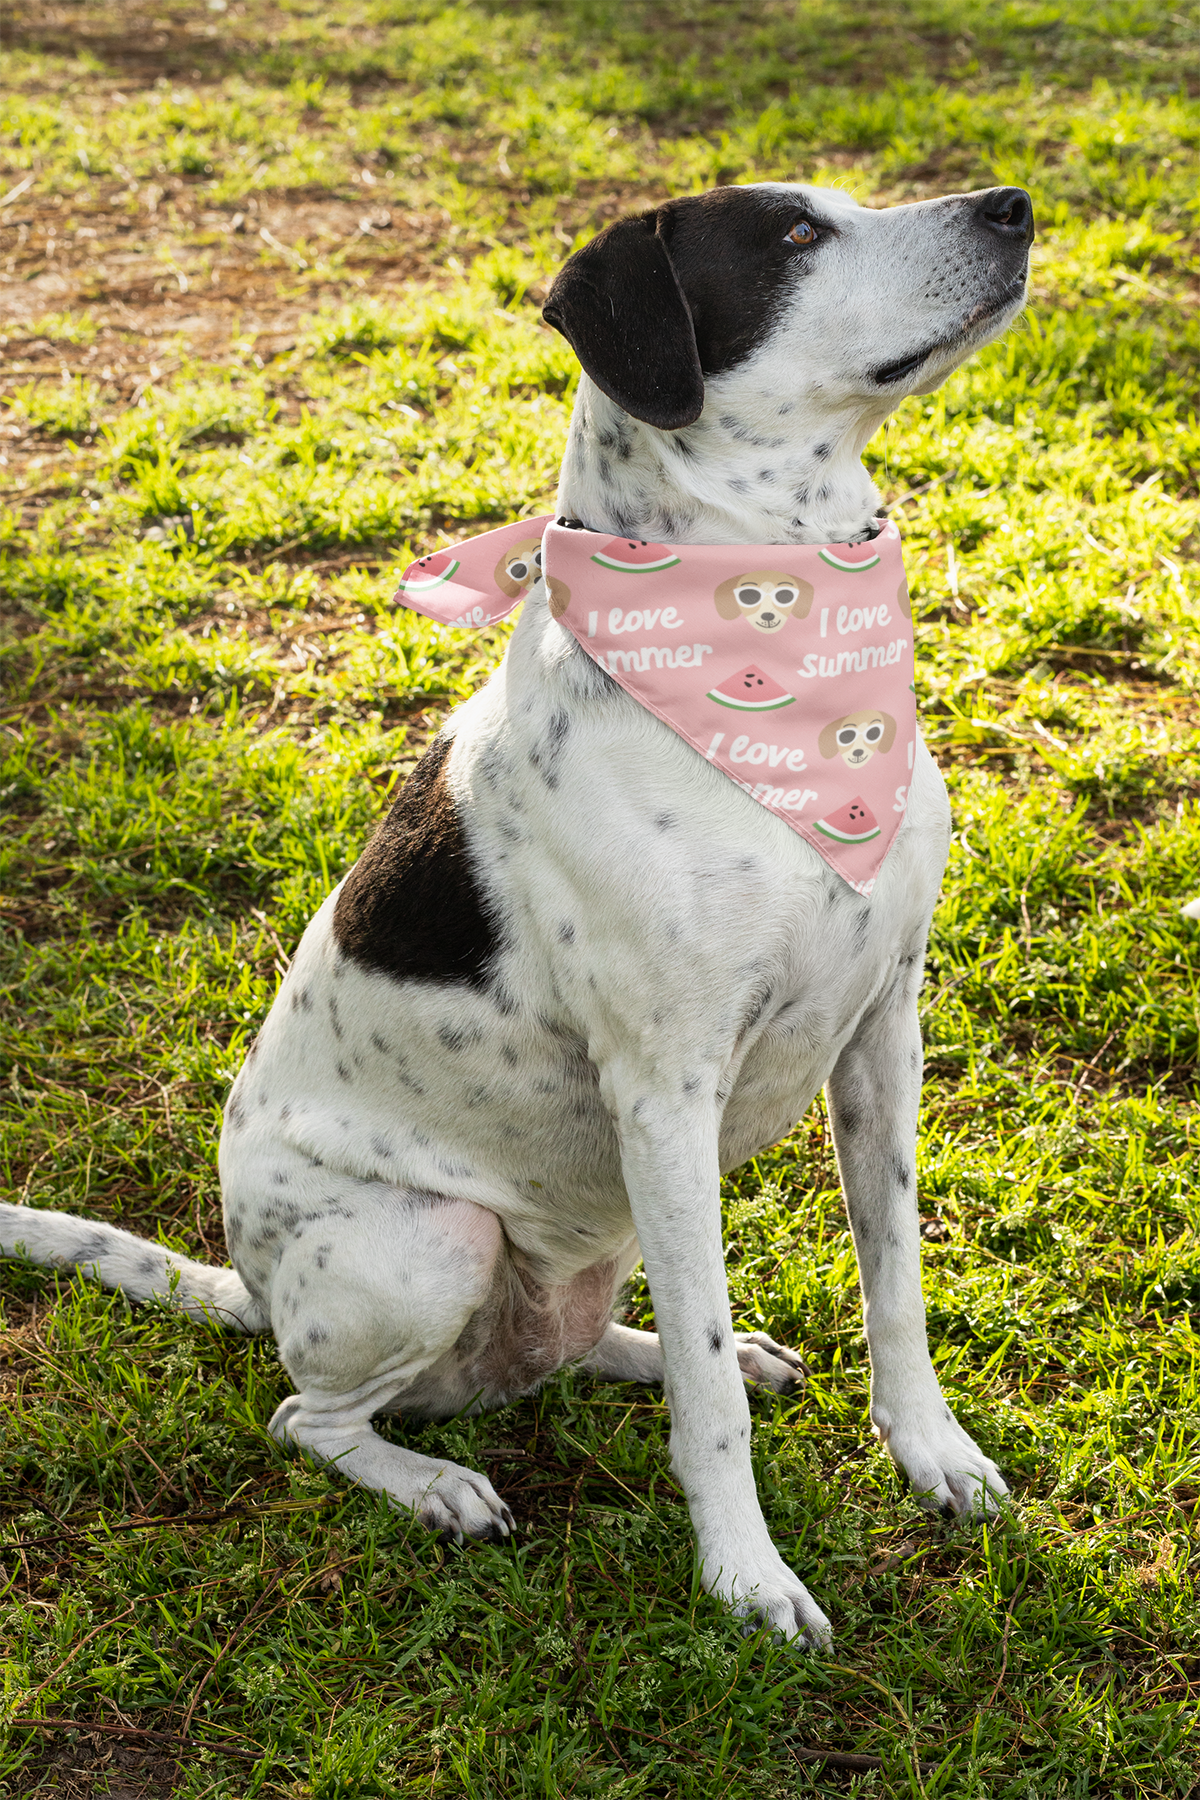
{"points": [[272, 327]]}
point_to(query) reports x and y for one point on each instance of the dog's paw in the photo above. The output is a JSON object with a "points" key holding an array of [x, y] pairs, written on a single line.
{"points": [[773, 1599], [947, 1470], [453, 1501], [458, 1504], [769, 1364]]}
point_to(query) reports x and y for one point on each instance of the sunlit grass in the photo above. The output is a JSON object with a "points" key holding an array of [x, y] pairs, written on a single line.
{"points": [[208, 701]]}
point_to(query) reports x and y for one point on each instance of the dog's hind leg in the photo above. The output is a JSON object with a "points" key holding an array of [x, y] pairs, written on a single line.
{"points": [[365, 1301], [625, 1355]]}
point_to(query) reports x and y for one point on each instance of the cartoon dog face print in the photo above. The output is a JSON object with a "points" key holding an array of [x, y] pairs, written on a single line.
{"points": [[765, 598], [519, 567], [858, 736]]}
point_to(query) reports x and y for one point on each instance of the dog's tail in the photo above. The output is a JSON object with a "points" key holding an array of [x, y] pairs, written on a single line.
{"points": [[140, 1269]]}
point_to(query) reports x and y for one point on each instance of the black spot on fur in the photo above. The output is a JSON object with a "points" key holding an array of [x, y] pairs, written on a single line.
{"points": [[317, 1334], [848, 1120], [338, 1032], [510, 1056], [665, 821], [280, 1178], [343, 1071], [721, 1444], [381, 1044], [566, 932], [821, 452], [902, 1172], [544, 756], [412, 906], [716, 1341], [235, 1118]]}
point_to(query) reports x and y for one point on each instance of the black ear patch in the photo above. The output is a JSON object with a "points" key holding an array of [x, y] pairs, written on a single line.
{"points": [[619, 305]]}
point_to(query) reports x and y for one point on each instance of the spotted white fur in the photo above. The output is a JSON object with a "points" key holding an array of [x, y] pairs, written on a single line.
{"points": [[434, 1188]]}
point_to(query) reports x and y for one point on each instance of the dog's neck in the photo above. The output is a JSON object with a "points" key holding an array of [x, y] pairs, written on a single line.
{"points": [[753, 469]]}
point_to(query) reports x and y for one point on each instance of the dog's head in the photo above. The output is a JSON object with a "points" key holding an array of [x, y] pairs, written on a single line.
{"points": [[764, 598], [858, 736], [800, 289]]}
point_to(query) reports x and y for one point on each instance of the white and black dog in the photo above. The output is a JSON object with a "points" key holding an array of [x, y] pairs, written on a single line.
{"points": [[576, 973]]}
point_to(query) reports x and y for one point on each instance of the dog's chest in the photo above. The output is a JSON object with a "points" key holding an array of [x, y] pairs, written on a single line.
{"points": [[573, 899]]}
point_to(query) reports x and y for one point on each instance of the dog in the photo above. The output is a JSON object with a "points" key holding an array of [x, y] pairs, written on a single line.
{"points": [[576, 974]]}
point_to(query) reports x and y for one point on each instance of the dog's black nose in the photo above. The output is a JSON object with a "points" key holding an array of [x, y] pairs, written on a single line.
{"points": [[1008, 211]]}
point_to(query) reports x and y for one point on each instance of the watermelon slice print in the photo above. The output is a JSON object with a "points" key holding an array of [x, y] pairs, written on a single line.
{"points": [[632, 556], [853, 823], [750, 690], [840, 562], [429, 572]]}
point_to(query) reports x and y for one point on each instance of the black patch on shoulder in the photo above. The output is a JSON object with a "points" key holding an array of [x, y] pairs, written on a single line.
{"points": [[411, 906]]}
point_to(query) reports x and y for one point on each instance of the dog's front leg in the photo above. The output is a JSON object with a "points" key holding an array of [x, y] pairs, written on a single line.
{"points": [[874, 1096], [669, 1161]]}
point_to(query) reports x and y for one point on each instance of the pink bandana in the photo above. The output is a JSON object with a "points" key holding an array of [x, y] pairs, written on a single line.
{"points": [[788, 666]]}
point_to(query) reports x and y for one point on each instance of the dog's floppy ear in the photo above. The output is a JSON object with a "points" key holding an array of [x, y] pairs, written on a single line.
{"points": [[827, 742], [725, 597], [619, 305], [889, 732]]}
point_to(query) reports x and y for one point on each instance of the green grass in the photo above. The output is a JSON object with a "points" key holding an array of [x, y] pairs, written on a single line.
{"points": [[207, 701]]}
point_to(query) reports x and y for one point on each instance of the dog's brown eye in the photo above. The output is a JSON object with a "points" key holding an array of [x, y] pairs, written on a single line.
{"points": [[802, 233], [748, 596]]}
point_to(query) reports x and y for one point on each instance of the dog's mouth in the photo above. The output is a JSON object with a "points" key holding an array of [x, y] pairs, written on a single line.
{"points": [[768, 622], [888, 374]]}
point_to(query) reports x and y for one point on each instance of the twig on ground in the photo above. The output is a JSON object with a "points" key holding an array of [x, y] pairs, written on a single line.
{"points": [[165, 1738], [209, 1516], [858, 1761]]}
